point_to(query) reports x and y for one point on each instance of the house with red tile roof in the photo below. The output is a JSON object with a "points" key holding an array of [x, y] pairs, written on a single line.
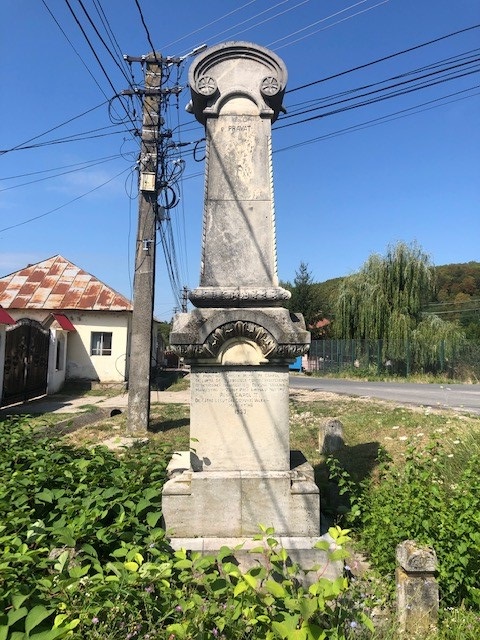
{"points": [[87, 322]]}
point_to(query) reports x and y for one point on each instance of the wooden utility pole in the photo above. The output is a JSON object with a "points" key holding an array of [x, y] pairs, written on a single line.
{"points": [[144, 280]]}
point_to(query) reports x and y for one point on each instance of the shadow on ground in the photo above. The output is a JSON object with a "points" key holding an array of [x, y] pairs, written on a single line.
{"points": [[359, 461], [165, 379], [161, 425]]}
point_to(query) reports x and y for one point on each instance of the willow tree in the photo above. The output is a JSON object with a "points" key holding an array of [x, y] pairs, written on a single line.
{"points": [[384, 300]]}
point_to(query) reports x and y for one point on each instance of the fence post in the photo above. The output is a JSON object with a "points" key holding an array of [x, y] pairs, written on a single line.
{"points": [[407, 347], [442, 355], [379, 357]]}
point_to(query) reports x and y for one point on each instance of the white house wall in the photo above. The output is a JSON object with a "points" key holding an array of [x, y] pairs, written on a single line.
{"points": [[56, 376], [79, 364], [82, 365]]}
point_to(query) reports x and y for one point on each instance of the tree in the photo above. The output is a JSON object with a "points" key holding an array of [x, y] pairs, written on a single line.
{"points": [[305, 298], [384, 300]]}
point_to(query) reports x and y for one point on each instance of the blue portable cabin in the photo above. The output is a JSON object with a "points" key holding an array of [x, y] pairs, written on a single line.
{"points": [[296, 365]]}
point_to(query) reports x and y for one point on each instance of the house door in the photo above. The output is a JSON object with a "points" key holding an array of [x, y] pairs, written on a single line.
{"points": [[26, 361]]}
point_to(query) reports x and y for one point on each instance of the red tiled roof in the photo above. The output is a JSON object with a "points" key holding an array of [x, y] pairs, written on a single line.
{"points": [[58, 284], [63, 321], [5, 318]]}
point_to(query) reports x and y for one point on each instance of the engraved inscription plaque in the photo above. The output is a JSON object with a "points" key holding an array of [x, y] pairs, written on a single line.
{"points": [[239, 418]]}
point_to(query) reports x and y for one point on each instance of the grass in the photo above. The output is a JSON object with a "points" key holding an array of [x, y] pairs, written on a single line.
{"points": [[370, 426], [372, 375]]}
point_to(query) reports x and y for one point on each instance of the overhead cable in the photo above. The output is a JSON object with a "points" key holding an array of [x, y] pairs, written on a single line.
{"points": [[65, 204], [389, 57]]}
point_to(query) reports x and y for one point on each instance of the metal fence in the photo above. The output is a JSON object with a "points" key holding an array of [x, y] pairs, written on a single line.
{"points": [[332, 356]]}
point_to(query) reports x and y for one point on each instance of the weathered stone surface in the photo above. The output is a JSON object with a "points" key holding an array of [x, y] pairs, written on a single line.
{"points": [[237, 91], [239, 418], [239, 339], [330, 436], [235, 503], [416, 559], [417, 589], [201, 335]]}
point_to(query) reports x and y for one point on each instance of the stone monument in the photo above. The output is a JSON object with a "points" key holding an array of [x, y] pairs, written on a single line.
{"points": [[239, 339]]}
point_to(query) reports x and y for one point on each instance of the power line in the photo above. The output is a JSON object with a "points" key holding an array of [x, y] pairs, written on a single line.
{"points": [[76, 137], [146, 28], [403, 113], [465, 58], [92, 49], [384, 89], [353, 15], [378, 99], [63, 173], [40, 135], [66, 166], [113, 57], [74, 49], [169, 44], [378, 60], [65, 204]]}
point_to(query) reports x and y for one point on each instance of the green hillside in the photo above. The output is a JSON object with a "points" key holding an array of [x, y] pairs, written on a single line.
{"points": [[457, 296]]}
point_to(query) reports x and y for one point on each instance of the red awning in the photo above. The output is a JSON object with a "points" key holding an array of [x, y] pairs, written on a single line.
{"points": [[64, 322], [5, 318]]}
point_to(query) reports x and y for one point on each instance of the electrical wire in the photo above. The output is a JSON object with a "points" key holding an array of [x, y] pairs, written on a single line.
{"points": [[378, 99], [66, 166], [351, 92], [76, 137], [384, 58], [383, 119], [74, 49], [170, 44], [100, 37], [257, 24], [146, 30], [65, 204], [63, 173], [353, 15], [40, 135], [294, 108], [313, 24], [92, 49]]}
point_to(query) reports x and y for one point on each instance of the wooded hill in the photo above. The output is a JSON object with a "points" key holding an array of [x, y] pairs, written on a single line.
{"points": [[457, 296]]}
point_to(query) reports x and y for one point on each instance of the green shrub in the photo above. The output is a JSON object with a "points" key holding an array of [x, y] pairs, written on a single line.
{"points": [[83, 556], [434, 498]]}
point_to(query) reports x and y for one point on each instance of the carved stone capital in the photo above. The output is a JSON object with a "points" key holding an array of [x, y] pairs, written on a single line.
{"points": [[239, 296], [235, 69]]}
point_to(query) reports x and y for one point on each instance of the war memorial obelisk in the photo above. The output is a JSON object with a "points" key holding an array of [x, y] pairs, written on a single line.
{"points": [[239, 339]]}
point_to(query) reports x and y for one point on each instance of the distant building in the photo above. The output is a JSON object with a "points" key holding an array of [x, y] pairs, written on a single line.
{"points": [[68, 325]]}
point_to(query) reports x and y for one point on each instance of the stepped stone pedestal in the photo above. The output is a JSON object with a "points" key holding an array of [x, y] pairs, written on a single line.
{"points": [[239, 339]]}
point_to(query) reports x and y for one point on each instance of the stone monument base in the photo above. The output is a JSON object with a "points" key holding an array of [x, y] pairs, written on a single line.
{"points": [[226, 508]]}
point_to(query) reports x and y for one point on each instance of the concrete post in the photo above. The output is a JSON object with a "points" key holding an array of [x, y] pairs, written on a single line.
{"points": [[417, 589]]}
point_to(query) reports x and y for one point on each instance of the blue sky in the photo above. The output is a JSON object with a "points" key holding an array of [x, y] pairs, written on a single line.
{"points": [[346, 184]]}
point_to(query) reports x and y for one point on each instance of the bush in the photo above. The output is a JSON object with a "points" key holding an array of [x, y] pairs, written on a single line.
{"points": [[83, 555], [433, 499]]}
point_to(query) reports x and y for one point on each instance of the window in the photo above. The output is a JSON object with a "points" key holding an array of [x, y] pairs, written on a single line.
{"points": [[101, 343]]}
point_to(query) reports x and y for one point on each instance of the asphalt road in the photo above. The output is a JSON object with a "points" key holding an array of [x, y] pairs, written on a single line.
{"points": [[458, 397]]}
